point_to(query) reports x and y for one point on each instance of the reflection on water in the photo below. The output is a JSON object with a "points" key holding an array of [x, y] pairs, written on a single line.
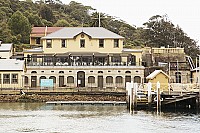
{"points": [[42, 118]]}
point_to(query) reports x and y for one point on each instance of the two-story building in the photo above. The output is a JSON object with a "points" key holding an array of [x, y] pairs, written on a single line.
{"points": [[83, 57]]}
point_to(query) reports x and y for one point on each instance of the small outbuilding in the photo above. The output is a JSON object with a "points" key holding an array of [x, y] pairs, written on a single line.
{"points": [[11, 73], [162, 77]]}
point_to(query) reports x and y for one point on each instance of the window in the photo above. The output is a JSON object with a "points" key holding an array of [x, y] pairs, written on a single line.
{"points": [[109, 79], [42, 77], [82, 43], [14, 79], [119, 80], [49, 43], [6, 78], [54, 79], [101, 43], [26, 80], [116, 43], [91, 79], [63, 43], [37, 40], [137, 79], [178, 77], [70, 79]]}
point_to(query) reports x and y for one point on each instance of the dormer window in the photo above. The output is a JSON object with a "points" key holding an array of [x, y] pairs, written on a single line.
{"points": [[82, 43], [63, 43], [116, 43], [49, 43]]}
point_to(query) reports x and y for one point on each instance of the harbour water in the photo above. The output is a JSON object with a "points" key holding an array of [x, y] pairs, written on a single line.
{"points": [[42, 118]]}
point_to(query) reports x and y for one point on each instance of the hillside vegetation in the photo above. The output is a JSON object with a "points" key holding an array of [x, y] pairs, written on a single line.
{"points": [[18, 17]]}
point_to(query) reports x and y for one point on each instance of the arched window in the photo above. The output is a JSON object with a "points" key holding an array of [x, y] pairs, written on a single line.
{"points": [[178, 77], [70, 79], [109, 79], [54, 78], [42, 77], [119, 79], [91, 79], [137, 79]]}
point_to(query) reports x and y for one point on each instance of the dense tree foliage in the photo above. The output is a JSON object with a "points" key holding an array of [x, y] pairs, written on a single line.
{"points": [[159, 31], [17, 18], [20, 27]]}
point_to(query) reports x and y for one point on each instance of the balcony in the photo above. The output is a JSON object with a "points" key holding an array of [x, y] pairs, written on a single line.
{"points": [[80, 60]]}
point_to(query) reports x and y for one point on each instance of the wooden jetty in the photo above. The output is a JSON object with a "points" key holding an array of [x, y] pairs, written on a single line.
{"points": [[114, 103], [172, 101]]}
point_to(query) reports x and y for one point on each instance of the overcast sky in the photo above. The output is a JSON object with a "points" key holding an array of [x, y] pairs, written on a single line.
{"points": [[185, 13]]}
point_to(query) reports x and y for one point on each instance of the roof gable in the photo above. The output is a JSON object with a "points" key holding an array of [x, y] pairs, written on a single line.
{"points": [[155, 73], [81, 34]]}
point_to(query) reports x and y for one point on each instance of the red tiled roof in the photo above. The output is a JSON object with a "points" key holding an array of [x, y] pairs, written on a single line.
{"points": [[41, 30]]}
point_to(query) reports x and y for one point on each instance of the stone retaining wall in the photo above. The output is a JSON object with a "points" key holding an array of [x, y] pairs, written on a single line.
{"points": [[45, 98]]}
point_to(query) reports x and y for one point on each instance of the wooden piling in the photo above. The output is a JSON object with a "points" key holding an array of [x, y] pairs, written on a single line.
{"points": [[149, 95]]}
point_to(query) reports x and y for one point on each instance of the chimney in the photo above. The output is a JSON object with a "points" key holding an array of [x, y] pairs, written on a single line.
{"points": [[45, 32]]}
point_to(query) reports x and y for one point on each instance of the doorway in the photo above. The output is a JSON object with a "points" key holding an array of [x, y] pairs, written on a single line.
{"points": [[80, 79], [127, 79], [61, 81], [33, 81], [100, 81]]}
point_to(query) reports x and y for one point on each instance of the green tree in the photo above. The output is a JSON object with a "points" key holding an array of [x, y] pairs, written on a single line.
{"points": [[62, 23], [5, 32], [20, 25], [46, 13], [35, 20], [162, 32], [47, 23]]}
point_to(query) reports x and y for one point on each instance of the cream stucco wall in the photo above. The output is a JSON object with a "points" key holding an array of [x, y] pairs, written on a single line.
{"points": [[138, 57], [6, 54], [195, 77], [113, 71], [91, 45], [32, 41], [12, 85]]}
